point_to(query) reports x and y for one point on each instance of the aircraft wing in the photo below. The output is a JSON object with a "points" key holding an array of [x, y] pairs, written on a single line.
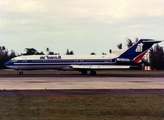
{"points": [[99, 67]]}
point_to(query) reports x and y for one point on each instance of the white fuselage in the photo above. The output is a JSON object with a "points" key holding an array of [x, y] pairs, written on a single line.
{"points": [[64, 62]]}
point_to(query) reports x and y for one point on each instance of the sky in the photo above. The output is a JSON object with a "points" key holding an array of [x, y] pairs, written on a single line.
{"points": [[83, 26]]}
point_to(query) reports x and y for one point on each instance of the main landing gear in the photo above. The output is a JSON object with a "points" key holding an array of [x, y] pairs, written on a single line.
{"points": [[84, 72], [20, 72], [92, 72]]}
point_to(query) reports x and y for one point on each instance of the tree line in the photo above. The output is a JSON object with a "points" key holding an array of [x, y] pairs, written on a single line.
{"points": [[156, 54], [5, 56]]}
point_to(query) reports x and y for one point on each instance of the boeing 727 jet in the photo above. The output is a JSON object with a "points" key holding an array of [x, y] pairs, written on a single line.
{"points": [[83, 64]]}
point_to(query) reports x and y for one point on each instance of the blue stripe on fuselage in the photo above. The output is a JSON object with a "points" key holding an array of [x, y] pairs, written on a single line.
{"points": [[61, 62]]}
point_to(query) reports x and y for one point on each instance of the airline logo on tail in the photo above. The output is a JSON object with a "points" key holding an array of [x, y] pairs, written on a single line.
{"points": [[139, 47]]}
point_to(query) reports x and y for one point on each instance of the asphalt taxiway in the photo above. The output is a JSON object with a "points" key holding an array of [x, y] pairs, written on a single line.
{"points": [[67, 82]]}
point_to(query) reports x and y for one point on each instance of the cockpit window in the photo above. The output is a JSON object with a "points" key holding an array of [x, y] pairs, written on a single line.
{"points": [[14, 60]]}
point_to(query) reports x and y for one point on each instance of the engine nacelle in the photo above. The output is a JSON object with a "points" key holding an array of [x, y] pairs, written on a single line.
{"points": [[123, 60], [126, 61]]}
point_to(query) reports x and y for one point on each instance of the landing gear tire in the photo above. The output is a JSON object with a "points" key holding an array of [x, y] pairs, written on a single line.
{"points": [[84, 72], [20, 72], [93, 72]]}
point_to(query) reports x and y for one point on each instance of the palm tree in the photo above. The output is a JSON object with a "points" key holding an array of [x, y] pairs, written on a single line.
{"points": [[3, 48], [69, 52], [48, 50], [119, 46], [130, 42]]}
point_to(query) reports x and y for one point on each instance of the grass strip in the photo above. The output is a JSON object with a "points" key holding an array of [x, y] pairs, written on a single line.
{"points": [[90, 107]]}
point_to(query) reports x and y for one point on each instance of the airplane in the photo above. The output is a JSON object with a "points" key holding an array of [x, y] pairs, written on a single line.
{"points": [[92, 63]]}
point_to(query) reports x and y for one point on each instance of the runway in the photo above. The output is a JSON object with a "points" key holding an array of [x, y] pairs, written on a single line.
{"points": [[28, 82]]}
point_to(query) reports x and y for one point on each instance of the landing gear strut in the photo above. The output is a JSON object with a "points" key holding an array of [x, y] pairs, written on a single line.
{"points": [[84, 72], [20, 72], [93, 72]]}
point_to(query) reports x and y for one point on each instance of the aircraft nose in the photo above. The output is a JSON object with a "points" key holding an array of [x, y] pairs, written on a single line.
{"points": [[8, 63]]}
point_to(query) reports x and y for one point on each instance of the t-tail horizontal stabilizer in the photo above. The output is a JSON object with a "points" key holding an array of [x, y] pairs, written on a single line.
{"points": [[138, 50]]}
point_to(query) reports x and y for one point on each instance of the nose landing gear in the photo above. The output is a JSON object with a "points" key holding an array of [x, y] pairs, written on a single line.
{"points": [[20, 72]]}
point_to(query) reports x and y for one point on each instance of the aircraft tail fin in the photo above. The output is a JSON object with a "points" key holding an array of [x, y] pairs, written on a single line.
{"points": [[138, 50]]}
